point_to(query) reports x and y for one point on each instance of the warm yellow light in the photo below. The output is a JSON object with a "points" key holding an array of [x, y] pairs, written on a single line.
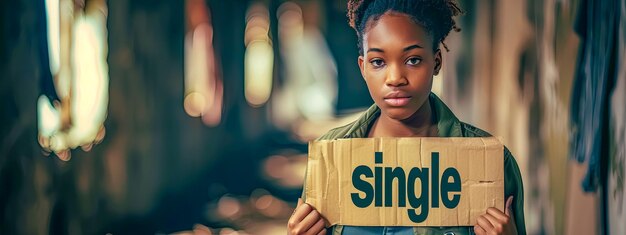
{"points": [[259, 56], [290, 22], [52, 20], [77, 47], [202, 84], [259, 62], [213, 116], [91, 81], [257, 28], [194, 104], [48, 118]]}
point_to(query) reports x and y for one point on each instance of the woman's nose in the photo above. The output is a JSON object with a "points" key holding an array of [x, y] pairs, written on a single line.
{"points": [[395, 77]]}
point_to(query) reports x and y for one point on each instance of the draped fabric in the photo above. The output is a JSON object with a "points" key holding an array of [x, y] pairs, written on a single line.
{"points": [[596, 25]]}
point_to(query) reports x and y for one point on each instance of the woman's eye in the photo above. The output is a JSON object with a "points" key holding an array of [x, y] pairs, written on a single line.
{"points": [[377, 63], [413, 61]]}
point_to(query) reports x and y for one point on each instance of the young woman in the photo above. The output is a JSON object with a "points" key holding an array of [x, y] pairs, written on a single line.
{"points": [[399, 46]]}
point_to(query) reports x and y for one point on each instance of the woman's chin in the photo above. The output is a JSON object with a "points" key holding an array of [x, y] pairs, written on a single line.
{"points": [[398, 114]]}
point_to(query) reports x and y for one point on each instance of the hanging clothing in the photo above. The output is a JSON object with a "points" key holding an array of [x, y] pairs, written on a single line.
{"points": [[596, 26]]}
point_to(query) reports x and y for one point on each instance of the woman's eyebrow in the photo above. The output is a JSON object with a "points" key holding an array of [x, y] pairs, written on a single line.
{"points": [[411, 47], [375, 50]]}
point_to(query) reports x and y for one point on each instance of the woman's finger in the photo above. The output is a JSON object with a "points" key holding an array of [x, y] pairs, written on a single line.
{"points": [[298, 215], [498, 226], [492, 219], [498, 215], [301, 211], [308, 221], [484, 223], [317, 227], [479, 230]]}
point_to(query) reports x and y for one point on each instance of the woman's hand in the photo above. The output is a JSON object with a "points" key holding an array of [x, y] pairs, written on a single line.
{"points": [[496, 222], [306, 220]]}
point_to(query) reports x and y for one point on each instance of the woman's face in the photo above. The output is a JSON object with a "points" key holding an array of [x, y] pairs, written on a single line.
{"points": [[398, 65]]}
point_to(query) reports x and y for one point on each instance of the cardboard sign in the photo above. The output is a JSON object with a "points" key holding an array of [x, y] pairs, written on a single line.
{"points": [[405, 181]]}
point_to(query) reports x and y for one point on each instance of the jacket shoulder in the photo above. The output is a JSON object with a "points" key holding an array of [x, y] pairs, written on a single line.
{"points": [[337, 132], [472, 131]]}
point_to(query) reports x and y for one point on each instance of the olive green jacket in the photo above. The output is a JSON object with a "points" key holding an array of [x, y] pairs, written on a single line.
{"points": [[448, 126]]}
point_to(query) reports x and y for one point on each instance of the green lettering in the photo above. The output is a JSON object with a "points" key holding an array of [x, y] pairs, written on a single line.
{"points": [[422, 200], [362, 186]]}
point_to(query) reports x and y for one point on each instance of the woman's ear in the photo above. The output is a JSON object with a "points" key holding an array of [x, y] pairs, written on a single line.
{"points": [[360, 61], [438, 62]]}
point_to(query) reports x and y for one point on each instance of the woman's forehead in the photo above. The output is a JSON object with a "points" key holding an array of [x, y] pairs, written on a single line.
{"points": [[395, 29]]}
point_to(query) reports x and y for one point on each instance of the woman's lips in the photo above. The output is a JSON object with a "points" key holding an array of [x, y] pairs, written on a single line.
{"points": [[397, 101]]}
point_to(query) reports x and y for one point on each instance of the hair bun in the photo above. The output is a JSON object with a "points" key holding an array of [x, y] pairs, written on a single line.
{"points": [[436, 16], [356, 9]]}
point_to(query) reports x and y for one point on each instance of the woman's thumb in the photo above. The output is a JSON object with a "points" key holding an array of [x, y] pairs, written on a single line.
{"points": [[508, 210]]}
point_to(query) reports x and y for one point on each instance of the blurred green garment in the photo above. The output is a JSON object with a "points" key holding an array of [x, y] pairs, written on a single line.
{"points": [[448, 126]]}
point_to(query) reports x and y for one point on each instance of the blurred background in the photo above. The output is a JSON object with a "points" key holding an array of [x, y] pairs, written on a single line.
{"points": [[161, 116]]}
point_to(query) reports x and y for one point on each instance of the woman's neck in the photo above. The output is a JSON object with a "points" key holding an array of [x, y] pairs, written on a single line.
{"points": [[420, 124]]}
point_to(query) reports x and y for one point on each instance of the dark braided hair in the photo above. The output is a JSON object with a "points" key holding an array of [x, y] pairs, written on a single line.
{"points": [[434, 15]]}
